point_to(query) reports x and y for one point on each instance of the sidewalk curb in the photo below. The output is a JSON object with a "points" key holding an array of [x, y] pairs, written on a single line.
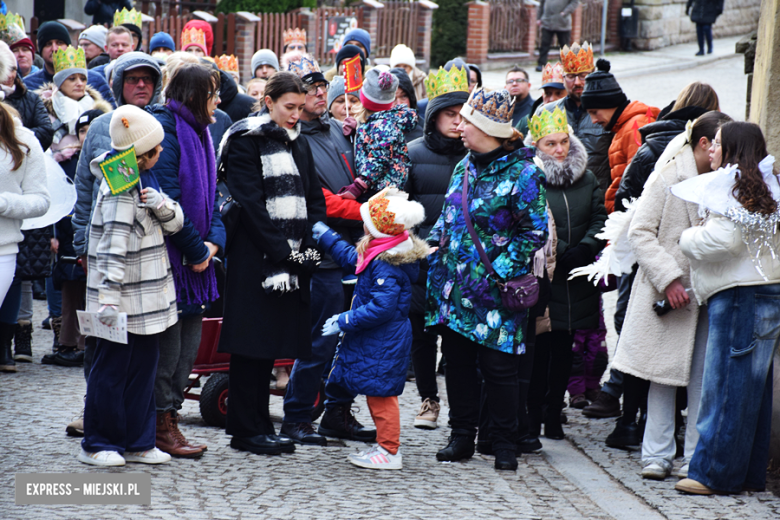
{"points": [[691, 64]]}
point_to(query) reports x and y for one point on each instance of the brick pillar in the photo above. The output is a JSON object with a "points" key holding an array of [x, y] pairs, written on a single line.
{"points": [[613, 21], [478, 32], [529, 42], [424, 25], [576, 24], [246, 28], [306, 23], [371, 21]]}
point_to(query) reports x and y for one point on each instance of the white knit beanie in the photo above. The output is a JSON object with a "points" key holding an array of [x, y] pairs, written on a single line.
{"points": [[130, 126], [402, 55]]}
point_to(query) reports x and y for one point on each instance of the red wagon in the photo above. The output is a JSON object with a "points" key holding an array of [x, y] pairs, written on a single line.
{"points": [[213, 397]]}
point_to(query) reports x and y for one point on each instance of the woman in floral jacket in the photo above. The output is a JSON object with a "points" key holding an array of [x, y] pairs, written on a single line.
{"points": [[506, 201]]}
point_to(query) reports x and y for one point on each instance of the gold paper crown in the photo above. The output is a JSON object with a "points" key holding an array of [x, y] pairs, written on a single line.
{"points": [[577, 59], [445, 81], [193, 36], [545, 123], [69, 58], [294, 36], [552, 74], [124, 16], [227, 63], [12, 28], [497, 106]]}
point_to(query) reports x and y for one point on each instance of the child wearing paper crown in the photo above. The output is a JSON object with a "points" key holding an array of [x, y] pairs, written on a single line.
{"points": [[128, 272], [374, 352], [381, 154]]}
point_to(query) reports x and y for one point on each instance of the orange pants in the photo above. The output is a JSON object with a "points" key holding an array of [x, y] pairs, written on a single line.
{"points": [[387, 418]]}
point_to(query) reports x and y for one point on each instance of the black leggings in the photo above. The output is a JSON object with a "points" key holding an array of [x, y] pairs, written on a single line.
{"points": [[552, 366], [424, 349], [704, 32]]}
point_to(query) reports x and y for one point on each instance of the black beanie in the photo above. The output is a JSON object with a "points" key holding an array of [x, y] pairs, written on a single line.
{"points": [[133, 28], [350, 51], [405, 84], [601, 89], [52, 30], [87, 117]]}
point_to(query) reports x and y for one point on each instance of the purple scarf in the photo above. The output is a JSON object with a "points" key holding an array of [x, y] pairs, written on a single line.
{"points": [[198, 184]]}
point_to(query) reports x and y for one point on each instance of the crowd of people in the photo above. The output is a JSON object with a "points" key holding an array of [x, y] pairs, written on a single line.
{"points": [[358, 229]]}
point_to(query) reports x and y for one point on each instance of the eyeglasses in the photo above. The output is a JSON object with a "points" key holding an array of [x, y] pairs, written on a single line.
{"points": [[133, 80], [213, 95], [313, 89], [573, 77], [518, 80]]}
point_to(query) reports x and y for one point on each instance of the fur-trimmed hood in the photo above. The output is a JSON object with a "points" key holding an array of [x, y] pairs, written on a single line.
{"points": [[418, 251], [261, 125], [564, 174], [47, 90]]}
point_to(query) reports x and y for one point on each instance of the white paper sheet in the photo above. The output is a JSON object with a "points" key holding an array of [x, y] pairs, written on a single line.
{"points": [[90, 325]]}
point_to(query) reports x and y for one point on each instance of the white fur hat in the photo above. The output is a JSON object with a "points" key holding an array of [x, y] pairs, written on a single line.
{"points": [[7, 62], [390, 213]]}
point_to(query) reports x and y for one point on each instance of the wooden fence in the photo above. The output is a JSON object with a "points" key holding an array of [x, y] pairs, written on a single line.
{"points": [[319, 26], [591, 21], [508, 26], [396, 23]]}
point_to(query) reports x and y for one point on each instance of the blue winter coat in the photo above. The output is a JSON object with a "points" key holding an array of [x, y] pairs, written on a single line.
{"points": [[374, 352]]}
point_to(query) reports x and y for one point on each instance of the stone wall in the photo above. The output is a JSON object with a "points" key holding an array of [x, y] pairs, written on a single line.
{"points": [[663, 22]]}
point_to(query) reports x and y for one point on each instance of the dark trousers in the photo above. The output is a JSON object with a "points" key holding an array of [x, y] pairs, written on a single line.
{"points": [[119, 413], [704, 32], [546, 43], [248, 411], [499, 370], [634, 397], [424, 349], [552, 366]]}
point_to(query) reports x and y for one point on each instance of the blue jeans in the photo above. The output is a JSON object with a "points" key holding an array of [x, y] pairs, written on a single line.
{"points": [[53, 298], [736, 400], [327, 299]]}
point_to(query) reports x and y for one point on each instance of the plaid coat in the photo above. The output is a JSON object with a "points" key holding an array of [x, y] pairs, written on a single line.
{"points": [[128, 262]]}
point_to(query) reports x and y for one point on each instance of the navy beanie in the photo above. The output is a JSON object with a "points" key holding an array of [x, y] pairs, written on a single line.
{"points": [[361, 36], [350, 51], [161, 39], [52, 31]]}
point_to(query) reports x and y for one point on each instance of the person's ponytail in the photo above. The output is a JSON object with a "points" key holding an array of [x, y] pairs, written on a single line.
{"points": [[507, 143]]}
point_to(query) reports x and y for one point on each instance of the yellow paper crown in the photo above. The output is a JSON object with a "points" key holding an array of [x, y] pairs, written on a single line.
{"points": [[69, 58], [545, 123], [294, 36], [124, 16], [227, 63], [577, 59], [12, 28], [193, 36], [445, 81]]}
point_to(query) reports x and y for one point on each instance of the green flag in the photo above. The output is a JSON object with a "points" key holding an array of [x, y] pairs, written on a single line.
{"points": [[121, 171]]}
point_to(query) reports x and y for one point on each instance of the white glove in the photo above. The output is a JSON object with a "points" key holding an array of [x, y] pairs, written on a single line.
{"points": [[154, 199], [331, 326], [108, 315]]}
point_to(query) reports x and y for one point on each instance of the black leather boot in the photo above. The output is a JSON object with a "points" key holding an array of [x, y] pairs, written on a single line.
{"points": [[23, 342], [7, 363], [461, 446], [506, 459], [339, 422], [624, 436]]}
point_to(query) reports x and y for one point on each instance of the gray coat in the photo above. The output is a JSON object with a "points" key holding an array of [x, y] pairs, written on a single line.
{"points": [[556, 14]]}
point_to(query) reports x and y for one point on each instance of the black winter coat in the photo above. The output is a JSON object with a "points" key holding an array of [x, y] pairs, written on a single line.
{"points": [[234, 103], [33, 113], [258, 325], [655, 137], [433, 159], [704, 12], [102, 11]]}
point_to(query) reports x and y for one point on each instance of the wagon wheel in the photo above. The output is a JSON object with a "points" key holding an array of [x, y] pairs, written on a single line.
{"points": [[214, 400]]}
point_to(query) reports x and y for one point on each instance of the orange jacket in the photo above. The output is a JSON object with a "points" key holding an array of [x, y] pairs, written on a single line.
{"points": [[625, 143]]}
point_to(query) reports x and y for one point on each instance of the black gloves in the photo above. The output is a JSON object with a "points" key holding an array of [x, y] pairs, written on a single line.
{"points": [[577, 256], [305, 262]]}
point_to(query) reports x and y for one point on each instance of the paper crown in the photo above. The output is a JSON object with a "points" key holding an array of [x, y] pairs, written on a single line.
{"points": [[193, 36], [446, 81], [545, 123], [304, 66], [294, 36], [227, 63], [497, 106], [124, 16], [69, 58], [577, 59], [12, 28], [552, 74]]}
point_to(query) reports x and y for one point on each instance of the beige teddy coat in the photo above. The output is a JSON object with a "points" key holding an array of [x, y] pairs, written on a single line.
{"points": [[655, 348]]}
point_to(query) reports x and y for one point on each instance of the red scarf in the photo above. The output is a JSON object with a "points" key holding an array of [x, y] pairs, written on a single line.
{"points": [[377, 246]]}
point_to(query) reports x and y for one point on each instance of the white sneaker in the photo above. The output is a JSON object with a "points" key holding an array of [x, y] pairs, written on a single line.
{"points": [[101, 458], [683, 471], [429, 414], [153, 456], [376, 458], [656, 470]]}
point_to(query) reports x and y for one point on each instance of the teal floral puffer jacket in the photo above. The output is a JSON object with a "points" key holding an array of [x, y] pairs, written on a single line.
{"points": [[381, 153], [507, 204]]}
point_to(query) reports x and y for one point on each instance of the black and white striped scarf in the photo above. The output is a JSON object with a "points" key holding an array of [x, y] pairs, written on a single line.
{"points": [[285, 200]]}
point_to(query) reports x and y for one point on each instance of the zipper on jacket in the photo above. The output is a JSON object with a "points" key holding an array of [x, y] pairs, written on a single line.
{"points": [[568, 228]]}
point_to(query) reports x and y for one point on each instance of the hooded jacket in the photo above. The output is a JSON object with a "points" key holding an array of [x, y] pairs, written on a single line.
{"points": [[577, 204], [374, 353], [33, 113], [405, 84], [97, 142], [234, 103]]}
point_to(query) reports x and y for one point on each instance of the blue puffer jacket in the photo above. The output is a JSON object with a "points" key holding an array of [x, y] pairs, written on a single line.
{"points": [[374, 353]]}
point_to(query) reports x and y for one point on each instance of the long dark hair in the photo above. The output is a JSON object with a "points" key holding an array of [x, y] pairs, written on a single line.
{"points": [[8, 140], [743, 144], [191, 86], [707, 126]]}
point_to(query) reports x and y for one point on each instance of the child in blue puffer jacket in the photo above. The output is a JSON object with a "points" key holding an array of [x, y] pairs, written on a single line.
{"points": [[377, 336]]}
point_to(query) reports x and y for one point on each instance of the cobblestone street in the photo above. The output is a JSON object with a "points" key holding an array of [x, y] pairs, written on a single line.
{"points": [[578, 478]]}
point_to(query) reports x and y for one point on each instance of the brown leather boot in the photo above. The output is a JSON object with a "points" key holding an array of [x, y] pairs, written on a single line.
{"points": [[170, 440], [177, 431]]}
